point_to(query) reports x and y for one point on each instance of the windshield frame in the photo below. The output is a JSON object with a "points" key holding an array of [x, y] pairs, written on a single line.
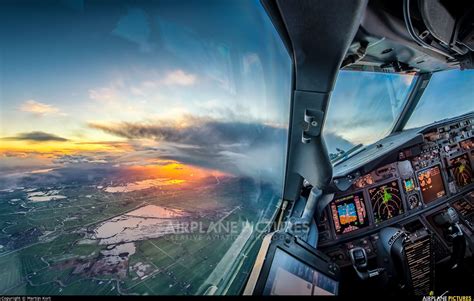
{"points": [[413, 99]]}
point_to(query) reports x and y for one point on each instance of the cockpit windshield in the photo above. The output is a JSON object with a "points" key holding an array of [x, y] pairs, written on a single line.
{"points": [[142, 145], [448, 94], [363, 108]]}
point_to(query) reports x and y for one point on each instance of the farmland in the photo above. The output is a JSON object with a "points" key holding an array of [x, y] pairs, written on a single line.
{"points": [[55, 247]]}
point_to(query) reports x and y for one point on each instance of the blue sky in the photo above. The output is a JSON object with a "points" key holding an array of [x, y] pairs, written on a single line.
{"points": [[192, 61], [448, 94], [208, 85]]}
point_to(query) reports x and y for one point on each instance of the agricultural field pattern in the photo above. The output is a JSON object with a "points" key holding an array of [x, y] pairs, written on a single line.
{"points": [[69, 231]]}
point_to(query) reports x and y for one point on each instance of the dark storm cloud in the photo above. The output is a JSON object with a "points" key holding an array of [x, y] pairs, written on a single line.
{"points": [[36, 136], [198, 132], [250, 149]]}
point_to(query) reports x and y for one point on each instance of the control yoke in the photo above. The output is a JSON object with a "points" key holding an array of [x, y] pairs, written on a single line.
{"points": [[359, 262]]}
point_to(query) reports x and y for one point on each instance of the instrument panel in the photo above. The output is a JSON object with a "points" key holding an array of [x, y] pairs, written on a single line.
{"points": [[421, 176], [411, 183]]}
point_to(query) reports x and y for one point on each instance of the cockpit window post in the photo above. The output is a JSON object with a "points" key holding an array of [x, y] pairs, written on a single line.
{"points": [[419, 87], [315, 70]]}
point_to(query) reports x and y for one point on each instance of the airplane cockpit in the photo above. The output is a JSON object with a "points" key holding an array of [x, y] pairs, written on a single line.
{"points": [[237, 147], [396, 215]]}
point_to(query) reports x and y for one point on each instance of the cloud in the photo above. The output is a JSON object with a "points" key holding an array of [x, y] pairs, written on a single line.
{"points": [[141, 92], [117, 144], [38, 108], [241, 148], [78, 159], [334, 141], [191, 130], [179, 77], [18, 163], [104, 94], [36, 137]]}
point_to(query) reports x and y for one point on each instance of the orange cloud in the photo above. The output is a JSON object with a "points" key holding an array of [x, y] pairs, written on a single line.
{"points": [[56, 148], [175, 170], [38, 108]]}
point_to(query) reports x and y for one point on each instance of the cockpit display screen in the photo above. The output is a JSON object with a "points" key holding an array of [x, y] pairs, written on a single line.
{"points": [[349, 213], [461, 170], [431, 184], [290, 276], [386, 201]]}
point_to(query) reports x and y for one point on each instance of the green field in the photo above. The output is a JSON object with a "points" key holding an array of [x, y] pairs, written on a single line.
{"points": [[43, 252]]}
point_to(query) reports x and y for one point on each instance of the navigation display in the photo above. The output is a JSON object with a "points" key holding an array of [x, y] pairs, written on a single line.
{"points": [[431, 184], [386, 201], [349, 213], [461, 170]]}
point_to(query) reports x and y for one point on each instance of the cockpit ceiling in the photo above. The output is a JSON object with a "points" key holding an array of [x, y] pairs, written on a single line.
{"points": [[387, 55], [383, 41]]}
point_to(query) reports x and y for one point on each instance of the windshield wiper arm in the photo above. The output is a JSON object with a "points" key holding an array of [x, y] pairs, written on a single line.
{"points": [[347, 154]]}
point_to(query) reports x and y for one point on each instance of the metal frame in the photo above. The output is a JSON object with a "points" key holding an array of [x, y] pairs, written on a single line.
{"points": [[305, 26], [314, 72], [414, 97]]}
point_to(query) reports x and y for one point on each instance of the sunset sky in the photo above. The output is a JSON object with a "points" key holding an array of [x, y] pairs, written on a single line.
{"points": [[140, 84], [207, 86]]}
